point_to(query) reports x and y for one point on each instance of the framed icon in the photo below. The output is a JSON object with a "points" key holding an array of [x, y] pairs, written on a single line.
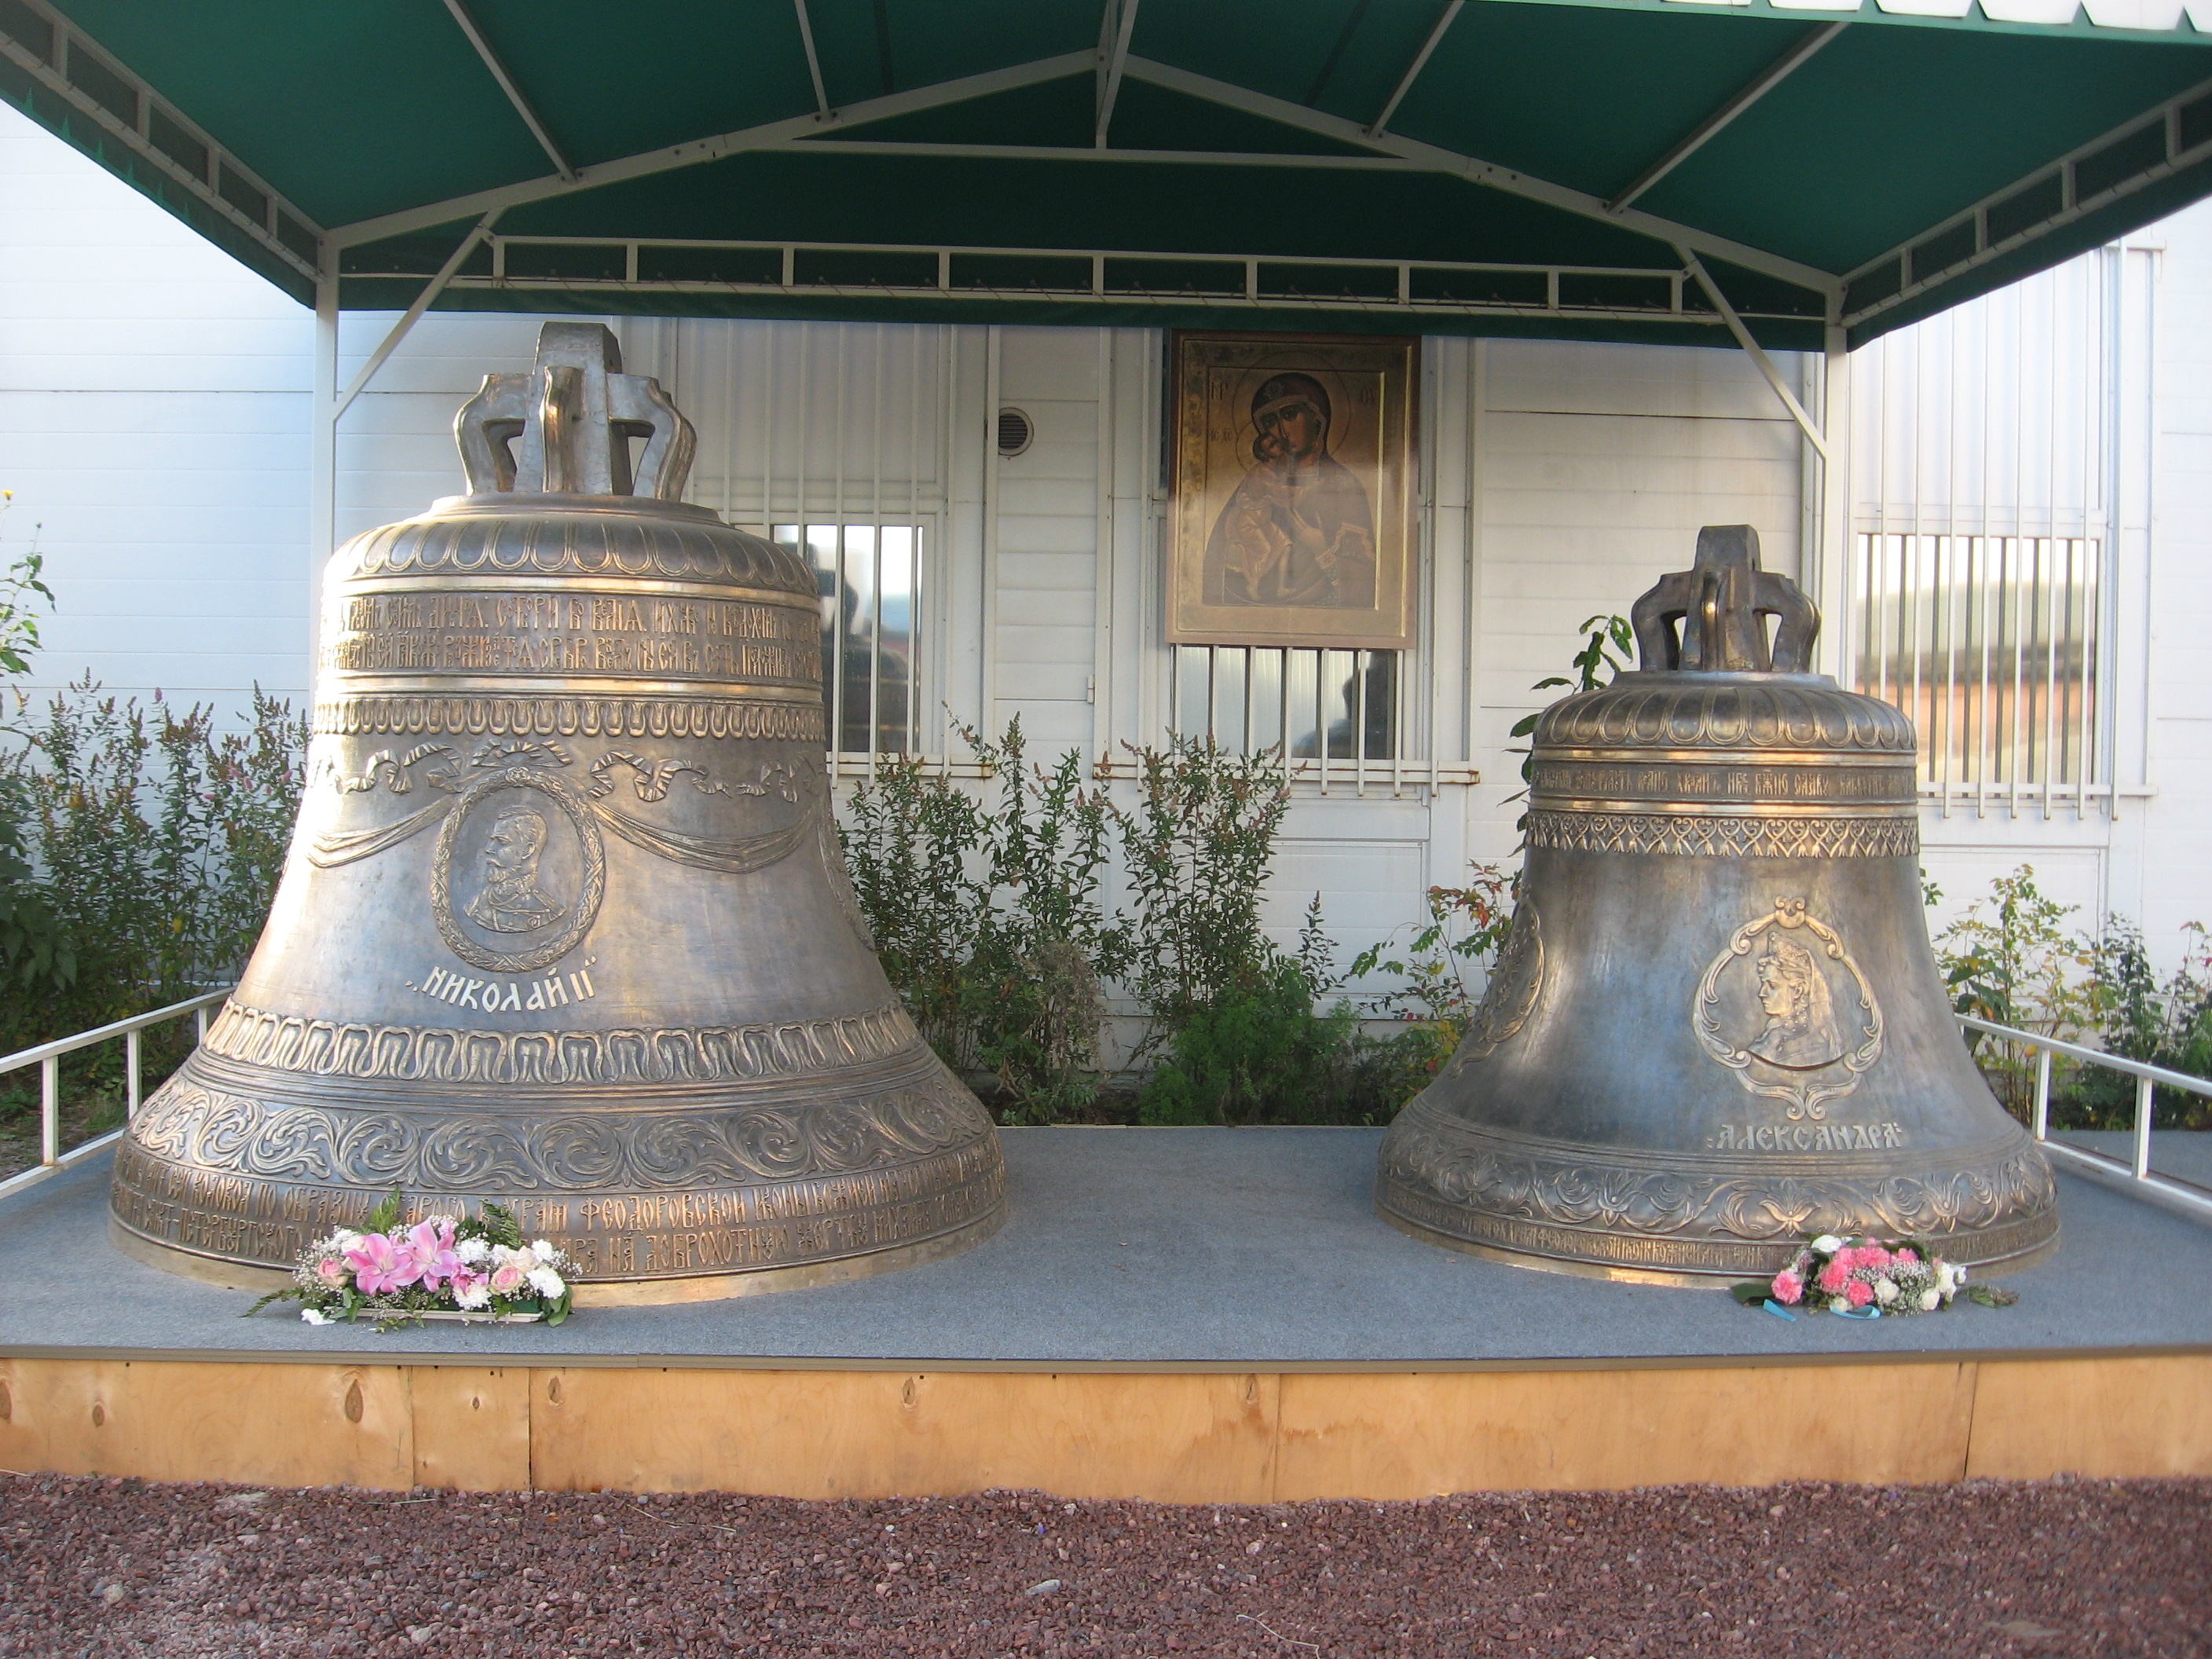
{"points": [[1292, 521]]}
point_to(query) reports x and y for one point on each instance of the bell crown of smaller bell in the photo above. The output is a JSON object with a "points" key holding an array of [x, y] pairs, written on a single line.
{"points": [[564, 427], [1711, 618]]}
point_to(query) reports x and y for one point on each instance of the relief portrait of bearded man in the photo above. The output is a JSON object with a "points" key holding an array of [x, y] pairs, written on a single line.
{"points": [[1298, 530]]}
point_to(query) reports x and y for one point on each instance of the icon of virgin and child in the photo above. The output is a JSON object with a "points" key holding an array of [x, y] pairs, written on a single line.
{"points": [[1299, 529]]}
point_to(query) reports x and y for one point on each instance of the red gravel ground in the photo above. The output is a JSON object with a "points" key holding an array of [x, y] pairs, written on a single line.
{"points": [[119, 1567]]}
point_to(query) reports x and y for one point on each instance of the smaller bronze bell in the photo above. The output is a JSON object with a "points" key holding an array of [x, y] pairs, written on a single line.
{"points": [[1717, 1026]]}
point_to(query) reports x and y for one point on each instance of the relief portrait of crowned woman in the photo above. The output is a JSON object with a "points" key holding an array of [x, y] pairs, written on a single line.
{"points": [[1298, 530]]}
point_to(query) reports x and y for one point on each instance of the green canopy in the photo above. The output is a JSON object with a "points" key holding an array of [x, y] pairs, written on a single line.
{"points": [[1609, 169]]}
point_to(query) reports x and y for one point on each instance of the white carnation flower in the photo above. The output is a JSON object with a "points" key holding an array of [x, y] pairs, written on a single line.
{"points": [[472, 1250], [1827, 1244], [543, 1250], [1885, 1291], [546, 1283], [474, 1295], [1929, 1301], [314, 1316], [1837, 1305]]}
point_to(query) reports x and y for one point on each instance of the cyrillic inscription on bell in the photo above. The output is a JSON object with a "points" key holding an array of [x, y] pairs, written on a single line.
{"points": [[565, 924], [1716, 1025]]}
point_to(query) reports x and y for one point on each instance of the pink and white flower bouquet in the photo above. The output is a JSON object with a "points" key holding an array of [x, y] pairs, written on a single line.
{"points": [[463, 1268], [1864, 1277]]}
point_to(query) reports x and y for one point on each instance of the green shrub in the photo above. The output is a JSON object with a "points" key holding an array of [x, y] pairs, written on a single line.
{"points": [[989, 918], [2167, 1024], [1196, 849], [152, 840], [2012, 959], [1253, 1053], [139, 849], [1466, 926]]}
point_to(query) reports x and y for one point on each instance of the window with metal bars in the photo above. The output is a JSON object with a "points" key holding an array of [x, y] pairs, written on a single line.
{"points": [[1316, 706], [869, 579], [1990, 644]]}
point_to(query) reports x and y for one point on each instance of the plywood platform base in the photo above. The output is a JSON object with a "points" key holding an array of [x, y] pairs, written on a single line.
{"points": [[1178, 1436]]}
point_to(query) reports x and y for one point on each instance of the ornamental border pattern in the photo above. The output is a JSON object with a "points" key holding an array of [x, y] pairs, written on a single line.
{"points": [[395, 715], [430, 1054], [1726, 717], [1699, 836], [215, 1132], [540, 542], [1427, 1159]]}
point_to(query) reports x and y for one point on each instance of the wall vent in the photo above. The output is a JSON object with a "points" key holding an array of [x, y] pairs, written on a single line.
{"points": [[1015, 433]]}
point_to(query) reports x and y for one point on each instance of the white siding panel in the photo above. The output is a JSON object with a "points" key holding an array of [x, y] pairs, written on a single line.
{"points": [[1046, 568], [1580, 378]]}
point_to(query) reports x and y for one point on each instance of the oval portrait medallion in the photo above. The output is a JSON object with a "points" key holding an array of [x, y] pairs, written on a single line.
{"points": [[1785, 1008], [518, 873]]}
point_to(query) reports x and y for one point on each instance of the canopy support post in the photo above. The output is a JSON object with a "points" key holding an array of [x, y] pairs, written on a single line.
{"points": [[414, 314], [322, 445], [1754, 350], [1831, 580]]}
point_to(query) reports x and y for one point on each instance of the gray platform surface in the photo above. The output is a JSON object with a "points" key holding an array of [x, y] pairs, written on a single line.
{"points": [[1220, 1247]]}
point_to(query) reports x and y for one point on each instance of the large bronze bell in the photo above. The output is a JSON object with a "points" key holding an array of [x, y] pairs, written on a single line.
{"points": [[565, 923], [1716, 1025]]}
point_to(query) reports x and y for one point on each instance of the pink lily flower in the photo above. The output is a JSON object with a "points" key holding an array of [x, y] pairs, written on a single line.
{"points": [[429, 1246], [381, 1267]]}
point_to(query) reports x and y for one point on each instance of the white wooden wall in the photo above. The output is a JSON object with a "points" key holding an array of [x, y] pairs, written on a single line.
{"points": [[153, 414], [153, 421]]}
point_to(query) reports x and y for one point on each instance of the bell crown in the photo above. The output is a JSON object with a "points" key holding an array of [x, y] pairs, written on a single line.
{"points": [[564, 425], [1711, 618]]}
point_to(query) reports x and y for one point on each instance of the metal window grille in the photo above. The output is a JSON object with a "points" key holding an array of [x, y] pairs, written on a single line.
{"points": [[1329, 714], [1989, 644], [1981, 586], [869, 579], [832, 438]]}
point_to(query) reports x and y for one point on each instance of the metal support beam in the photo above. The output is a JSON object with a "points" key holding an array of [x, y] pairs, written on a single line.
{"points": [[769, 135], [1214, 158], [1696, 139], [2166, 116], [699, 151], [413, 315], [514, 96], [1477, 171], [822, 110], [1113, 57], [1413, 70], [45, 68], [1756, 352]]}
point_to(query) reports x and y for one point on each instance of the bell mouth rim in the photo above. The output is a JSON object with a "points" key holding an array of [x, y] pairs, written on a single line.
{"points": [[640, 1291], [1717, 1279]]}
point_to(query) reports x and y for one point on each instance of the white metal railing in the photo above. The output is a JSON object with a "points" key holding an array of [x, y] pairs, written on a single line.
{"points": [[2148, 1079], [47, 1057]]}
